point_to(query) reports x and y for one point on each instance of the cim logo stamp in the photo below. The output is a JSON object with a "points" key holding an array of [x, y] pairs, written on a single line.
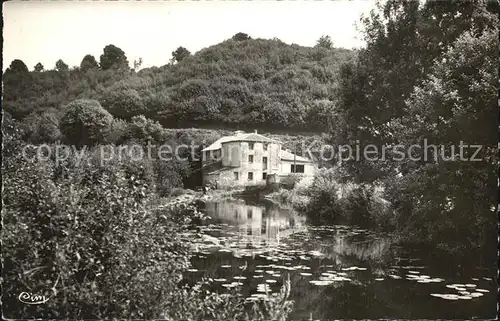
{"points": [[30, 298]]}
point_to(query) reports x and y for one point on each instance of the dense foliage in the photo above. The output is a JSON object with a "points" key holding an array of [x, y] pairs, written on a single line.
{"points": [[240, 82], [429, 72], [80, 232]]}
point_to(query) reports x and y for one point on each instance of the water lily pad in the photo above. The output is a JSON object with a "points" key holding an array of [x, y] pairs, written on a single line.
{"points": [[220, 280], [192, 270], [239, 278], [395, 277], [352, 268], [437, 280], [305, 274], [379, 279], [225, 266], [465, 297], [458, 285], [321, 282], [470, 285], [446, 296], [271, 281], [414, 272], [481, 290], [263, 287], [474, 279], [487, 279], [476, 294], [316, 253]]}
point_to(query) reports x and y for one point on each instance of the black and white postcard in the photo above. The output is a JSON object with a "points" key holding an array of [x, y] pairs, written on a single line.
{"points": [[250, 160]]}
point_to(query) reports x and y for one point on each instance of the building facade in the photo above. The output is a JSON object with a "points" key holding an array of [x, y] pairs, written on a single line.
{"points": [[246, 159]]}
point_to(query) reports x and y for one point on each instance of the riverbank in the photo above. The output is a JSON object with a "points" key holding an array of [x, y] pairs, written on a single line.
{"points": [[189, 196], [290, 199]]}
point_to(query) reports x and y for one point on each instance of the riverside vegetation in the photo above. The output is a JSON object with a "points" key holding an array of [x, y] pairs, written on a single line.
{"points": [[84, 233]]}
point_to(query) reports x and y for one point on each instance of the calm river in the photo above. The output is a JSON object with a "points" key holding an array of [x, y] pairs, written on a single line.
{"points": [[336, 272]]}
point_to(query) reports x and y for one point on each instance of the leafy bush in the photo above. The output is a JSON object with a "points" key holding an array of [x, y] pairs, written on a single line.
{"points": [[78, 232], [289, 181], [335, 202], [85, 123], [123, 102], [294, 198]]}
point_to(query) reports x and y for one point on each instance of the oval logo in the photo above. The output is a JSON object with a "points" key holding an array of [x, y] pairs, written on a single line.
{"points": [[30, 298]]}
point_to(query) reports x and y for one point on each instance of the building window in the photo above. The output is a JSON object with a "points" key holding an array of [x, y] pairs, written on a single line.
{"points": [[250, 176], [250, 158], [250, 145], [264, 175], [236, 176], [249, 213], [265, 147], [297, 168], [264, 162]]}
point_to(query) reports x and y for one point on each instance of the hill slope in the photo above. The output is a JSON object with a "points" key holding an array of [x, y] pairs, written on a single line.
{"points": [[254, 83]]}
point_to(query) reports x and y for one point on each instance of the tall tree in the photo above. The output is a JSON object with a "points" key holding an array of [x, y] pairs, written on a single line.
{"points": [[88, 62], [38, 67], [455, 105], [325, 42], [61, 66], [137, 63], [429, 71], [241, 36], [17, 66], [113, 57], [180, 54], [404, 38]]}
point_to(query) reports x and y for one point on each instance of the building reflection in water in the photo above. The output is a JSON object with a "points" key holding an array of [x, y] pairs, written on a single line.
{"points": [[256, 226]]}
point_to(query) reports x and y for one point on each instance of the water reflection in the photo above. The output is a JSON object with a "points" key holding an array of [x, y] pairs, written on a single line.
{"points": [[255, 226], [336, 272]]}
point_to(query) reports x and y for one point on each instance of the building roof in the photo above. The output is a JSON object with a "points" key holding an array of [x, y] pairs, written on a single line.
{"points": [[239, 137], [286, 155]]}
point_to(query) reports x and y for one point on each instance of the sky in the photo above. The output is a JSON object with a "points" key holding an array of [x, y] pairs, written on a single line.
{"points": [[45, 31]]}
